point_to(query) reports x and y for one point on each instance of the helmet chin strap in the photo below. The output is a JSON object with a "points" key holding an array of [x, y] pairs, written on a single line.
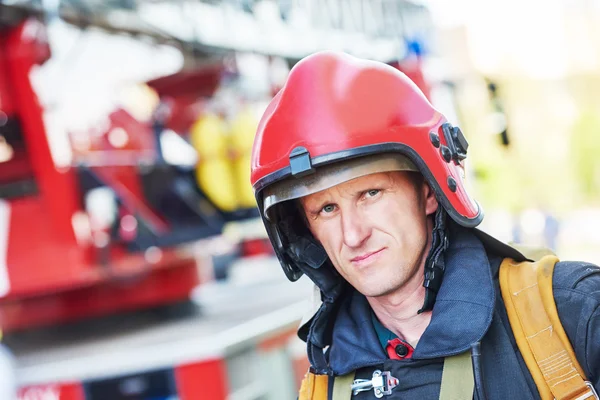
{"points": [[434, 263]]}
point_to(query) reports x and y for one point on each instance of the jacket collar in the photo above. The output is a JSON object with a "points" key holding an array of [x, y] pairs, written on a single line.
{"points": [[461, 316]]}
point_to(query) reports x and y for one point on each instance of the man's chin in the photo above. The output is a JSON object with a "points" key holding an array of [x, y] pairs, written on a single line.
{"points": [[377, 291]]}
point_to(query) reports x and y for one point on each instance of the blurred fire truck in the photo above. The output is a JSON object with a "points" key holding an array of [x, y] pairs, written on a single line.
{"points": [[104, 233]]}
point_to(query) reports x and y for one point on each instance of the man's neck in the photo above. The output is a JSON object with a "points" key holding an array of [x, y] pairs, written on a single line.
{"points": [[398, 311]]}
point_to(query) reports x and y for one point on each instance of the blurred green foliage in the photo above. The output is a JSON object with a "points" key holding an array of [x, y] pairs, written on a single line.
{"points": [[585, 154], [553, 159]]}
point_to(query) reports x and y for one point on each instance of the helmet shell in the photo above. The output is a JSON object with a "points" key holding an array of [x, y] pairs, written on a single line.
{"points": [[334, 107]]}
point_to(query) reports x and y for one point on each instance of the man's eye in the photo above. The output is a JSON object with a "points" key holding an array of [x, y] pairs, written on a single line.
{"points": [[328, 208], [372, 192]]}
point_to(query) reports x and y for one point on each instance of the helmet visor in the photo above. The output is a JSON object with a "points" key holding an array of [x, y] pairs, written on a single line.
{"points": [[333, 174]]}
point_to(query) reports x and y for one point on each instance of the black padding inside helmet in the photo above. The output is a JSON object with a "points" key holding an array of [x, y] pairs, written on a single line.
{"points": [[302, 251]]}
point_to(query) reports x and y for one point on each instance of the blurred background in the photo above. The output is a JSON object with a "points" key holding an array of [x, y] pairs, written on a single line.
{"points": [[133, 264]]}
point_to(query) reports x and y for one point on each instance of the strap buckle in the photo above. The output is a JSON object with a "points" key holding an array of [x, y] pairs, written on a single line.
{"points": [[382, 383], [591, 395]]}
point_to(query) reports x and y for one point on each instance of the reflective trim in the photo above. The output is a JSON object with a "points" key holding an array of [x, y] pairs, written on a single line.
{"points": [[330, 175]]}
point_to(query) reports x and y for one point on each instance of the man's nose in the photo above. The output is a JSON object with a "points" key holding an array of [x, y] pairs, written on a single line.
{"points": [[355, 228]]}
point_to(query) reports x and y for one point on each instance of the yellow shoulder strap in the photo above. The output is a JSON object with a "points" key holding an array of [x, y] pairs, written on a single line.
{"points": [[527, 292], [342, 387], [313, 387], [457, 378]]}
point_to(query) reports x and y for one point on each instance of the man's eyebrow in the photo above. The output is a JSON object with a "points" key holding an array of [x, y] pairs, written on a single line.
{"points": [[363, 187], [317, 205]]}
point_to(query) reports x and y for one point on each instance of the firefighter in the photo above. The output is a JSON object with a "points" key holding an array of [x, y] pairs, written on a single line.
{"points": [[359, 181]]}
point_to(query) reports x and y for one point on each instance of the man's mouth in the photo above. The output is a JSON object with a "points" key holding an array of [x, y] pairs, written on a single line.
{"points": [[366, 256]]}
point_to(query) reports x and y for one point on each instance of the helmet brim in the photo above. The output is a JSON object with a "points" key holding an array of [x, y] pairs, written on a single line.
{"points": [[328, 176]]}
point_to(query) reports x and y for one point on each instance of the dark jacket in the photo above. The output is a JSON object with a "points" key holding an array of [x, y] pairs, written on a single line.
{"points": [[469, 308]]}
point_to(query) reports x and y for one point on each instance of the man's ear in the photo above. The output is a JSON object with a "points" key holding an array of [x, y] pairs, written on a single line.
{"points": [[431, 203]]}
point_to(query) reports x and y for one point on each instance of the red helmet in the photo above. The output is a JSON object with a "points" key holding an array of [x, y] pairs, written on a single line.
{"points": [[339, 117]]}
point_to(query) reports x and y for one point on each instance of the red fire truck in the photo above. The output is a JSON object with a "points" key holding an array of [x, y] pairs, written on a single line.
{"points": [[111, 230]]}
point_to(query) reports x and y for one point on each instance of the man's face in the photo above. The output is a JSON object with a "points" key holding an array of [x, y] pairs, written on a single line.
{"points": [[374, 229]]}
